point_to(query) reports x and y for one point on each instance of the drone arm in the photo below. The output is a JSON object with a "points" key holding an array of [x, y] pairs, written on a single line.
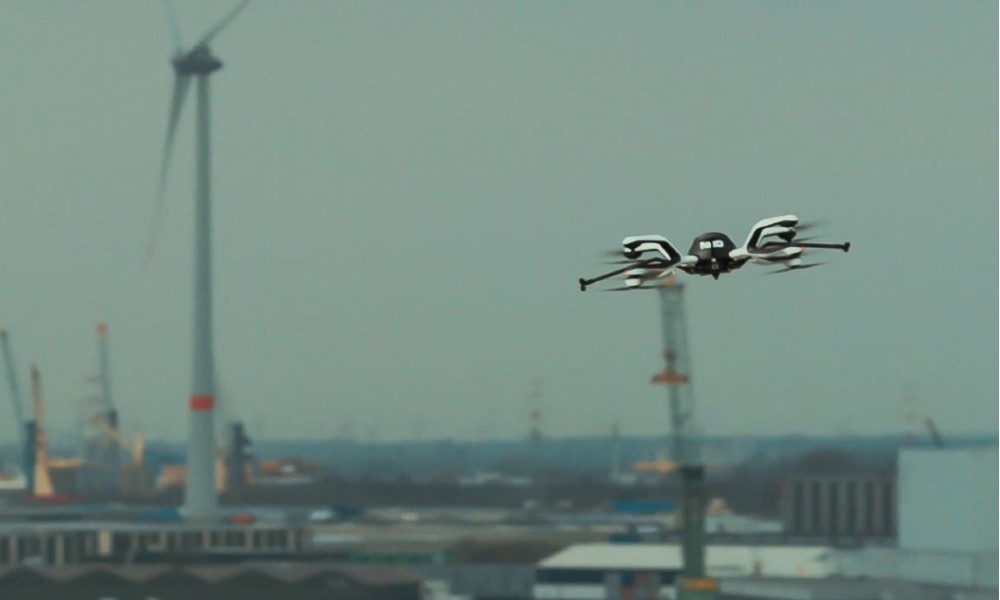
{"points": [[846, 246], [658, 262]]}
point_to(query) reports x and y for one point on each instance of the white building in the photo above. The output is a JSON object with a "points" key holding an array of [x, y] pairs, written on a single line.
{"points": [[948, 521], [948, 500], [600, 571]]}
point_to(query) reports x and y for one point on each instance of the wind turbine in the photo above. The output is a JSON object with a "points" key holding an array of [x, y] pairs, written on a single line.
{"points": [[197, 62]]}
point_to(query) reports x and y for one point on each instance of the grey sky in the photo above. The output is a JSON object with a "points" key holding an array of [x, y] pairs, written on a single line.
{"points": [[406, 193]]}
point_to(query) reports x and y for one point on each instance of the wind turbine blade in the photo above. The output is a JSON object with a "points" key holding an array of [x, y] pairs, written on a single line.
{"points": [[181, 84], [175, 28], [807, 225], [226, 20]]}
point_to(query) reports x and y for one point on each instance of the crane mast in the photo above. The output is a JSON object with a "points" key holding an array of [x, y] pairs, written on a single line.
{"points": [[676, 374], [25, 428], [15, 388]]}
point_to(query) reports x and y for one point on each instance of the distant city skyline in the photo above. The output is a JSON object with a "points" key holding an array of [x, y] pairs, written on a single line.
{"points": [[405, 195]]}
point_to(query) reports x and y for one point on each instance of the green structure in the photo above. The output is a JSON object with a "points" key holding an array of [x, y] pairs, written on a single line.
{"points": [[694, 585]]}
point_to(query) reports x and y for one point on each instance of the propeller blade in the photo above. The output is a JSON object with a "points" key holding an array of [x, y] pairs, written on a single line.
{"points": [[628, 288], [807, 225], [657, 264], [222, 24], [653, 275], [175, 28], [795, 268], [181, 84]]}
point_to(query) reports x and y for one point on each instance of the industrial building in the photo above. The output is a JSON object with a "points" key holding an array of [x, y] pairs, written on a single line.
{"points": [[289, 581], [949, 499], [63, 544], [594, 570], [948, 522], [840, 506], [947, 545]]}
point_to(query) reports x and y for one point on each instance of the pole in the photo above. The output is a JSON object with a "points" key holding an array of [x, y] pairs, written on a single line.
{"points": [[201, 501]]}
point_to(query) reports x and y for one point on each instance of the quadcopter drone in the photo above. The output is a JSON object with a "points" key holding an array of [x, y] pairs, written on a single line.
{"points": [[771, 242]]}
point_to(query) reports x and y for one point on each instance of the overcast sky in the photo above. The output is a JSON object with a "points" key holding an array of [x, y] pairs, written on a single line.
{"points": [[406, 193]]}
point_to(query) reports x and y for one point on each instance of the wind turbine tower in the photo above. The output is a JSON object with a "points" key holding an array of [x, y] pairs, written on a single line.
{"points": [[197, 62]]}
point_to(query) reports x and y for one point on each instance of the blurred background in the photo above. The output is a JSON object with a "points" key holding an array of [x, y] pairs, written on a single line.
{"points": [[407, 381]]}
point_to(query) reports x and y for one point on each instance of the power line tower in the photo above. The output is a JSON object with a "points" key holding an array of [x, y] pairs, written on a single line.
{"points": [[535, 435], [676, 374]]}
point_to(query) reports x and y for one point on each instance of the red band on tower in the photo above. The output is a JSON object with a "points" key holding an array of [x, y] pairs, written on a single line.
{"points": [[202, 403]]}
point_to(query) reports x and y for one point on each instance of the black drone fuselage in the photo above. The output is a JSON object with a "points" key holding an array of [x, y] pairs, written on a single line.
{"points": [[713, 252], [771, 241]]}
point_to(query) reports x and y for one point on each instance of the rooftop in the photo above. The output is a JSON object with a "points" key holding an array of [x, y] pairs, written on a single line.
{"points": [[721, 561]]}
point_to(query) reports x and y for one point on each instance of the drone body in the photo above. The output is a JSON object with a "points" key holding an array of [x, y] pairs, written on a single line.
{"points": [[770, 242]]}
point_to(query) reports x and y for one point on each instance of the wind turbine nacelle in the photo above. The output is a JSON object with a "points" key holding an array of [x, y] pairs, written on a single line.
{"points": [[196, 61]]}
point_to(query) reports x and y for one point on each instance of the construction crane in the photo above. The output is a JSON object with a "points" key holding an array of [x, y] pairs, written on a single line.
{"points": [[135, 478], [933, 431], [42, 480], [234, 460], [676, 375], [677, 370], [238, 458], [101, 452], [136, 448], [25, 428], [15, 388]]}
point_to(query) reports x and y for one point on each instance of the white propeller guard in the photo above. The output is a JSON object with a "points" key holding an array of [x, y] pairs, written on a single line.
{"points": [[636, 245], [775, 230], [763, 226]]}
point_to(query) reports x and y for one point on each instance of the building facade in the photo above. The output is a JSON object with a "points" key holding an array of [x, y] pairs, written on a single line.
{"points": [[840, 506], [229, 582]]}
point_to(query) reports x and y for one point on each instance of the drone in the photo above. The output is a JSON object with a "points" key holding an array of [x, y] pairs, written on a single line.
{"points": [[771, 241]]}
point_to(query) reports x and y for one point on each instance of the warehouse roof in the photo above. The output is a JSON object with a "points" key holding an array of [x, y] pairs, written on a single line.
{"points": [[720, 561]]}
